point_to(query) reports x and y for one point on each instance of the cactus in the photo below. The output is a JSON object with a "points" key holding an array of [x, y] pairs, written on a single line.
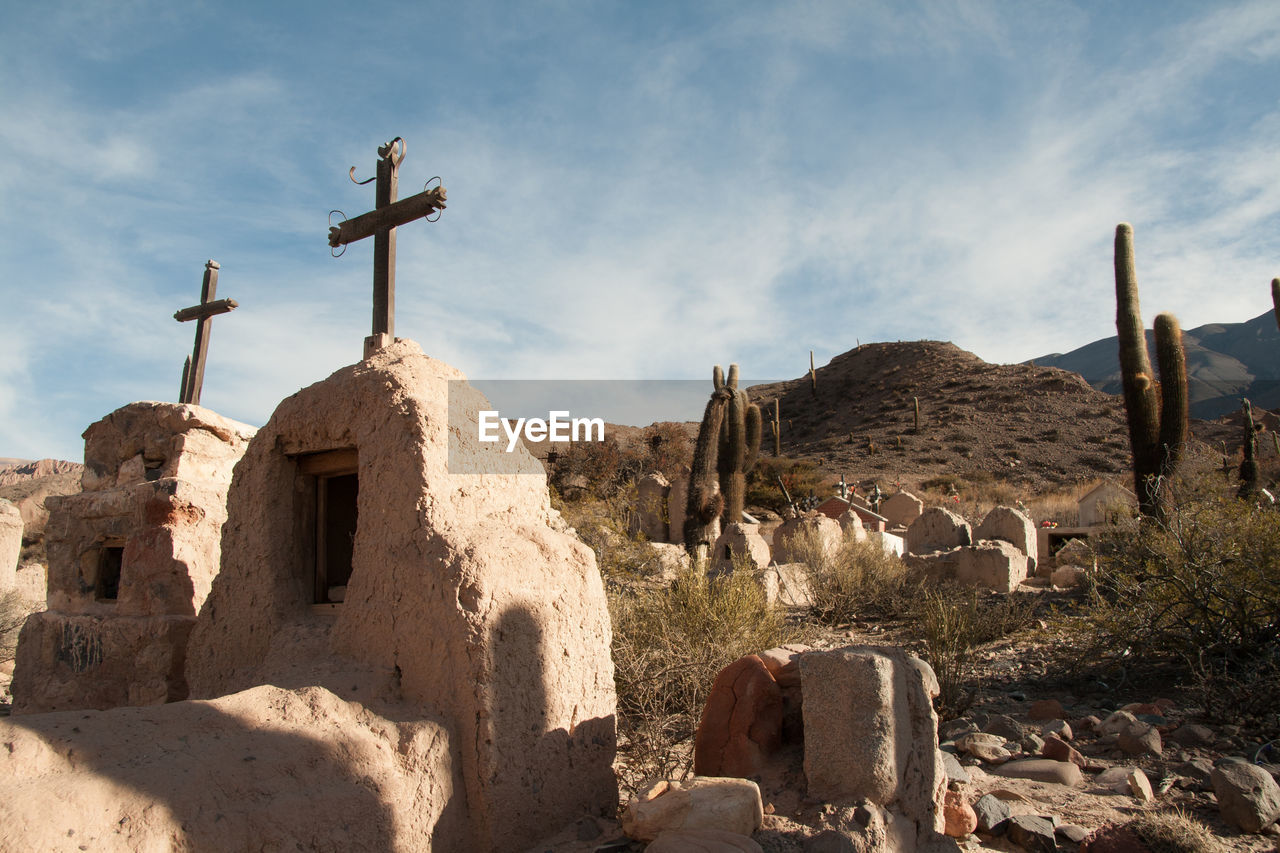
{"points": [[728, 442], [813, 377], [1157, 413], [1275, 298], [1249, 471], [915, 401], [776, 426]]}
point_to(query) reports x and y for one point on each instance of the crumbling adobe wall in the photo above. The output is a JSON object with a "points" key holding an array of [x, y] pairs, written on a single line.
{"points": [[464, 603], [155, 483]]}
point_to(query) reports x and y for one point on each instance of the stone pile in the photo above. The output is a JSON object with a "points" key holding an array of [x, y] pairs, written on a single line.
{"points": [[1001, 766]]}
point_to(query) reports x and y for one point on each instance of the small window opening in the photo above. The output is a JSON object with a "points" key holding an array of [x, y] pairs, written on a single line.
{"points": [[728, 551], [107, 585], [335, 535], [331, 477]]}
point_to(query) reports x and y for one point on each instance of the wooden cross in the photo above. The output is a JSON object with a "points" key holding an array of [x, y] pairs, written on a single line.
{"points": [[193, 370], [381, 222]]}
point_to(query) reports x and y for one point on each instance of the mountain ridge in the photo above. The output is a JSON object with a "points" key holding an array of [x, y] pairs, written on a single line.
{"points": [[1225, 361]]}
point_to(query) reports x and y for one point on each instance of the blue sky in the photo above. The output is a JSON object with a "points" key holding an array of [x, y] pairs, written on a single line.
{"points": [[636, 190]]}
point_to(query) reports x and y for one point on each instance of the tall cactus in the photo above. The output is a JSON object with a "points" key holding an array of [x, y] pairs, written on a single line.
{"points": [[775, 424], [728, 442], [1275, 298], [1250, 474], [1157, 413]]}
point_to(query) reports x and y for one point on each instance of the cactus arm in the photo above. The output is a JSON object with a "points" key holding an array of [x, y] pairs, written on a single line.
{"points": [[1173, 392]]}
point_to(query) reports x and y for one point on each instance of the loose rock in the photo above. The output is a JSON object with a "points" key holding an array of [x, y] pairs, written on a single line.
{"points": [[1032, 833], [958, 816], [1042, 770], [731, 805], [991, 813], [1248, 798]]}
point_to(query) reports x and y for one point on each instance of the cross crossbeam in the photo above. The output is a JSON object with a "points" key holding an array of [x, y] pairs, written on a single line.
{"points": [[381, 223], [193, 370]]}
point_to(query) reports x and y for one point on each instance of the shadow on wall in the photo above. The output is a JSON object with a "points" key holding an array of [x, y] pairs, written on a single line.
{"points": [[533, 767], [263, 769]]}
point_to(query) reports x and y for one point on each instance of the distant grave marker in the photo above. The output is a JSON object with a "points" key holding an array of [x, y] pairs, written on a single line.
{"points": [[193, 370]]}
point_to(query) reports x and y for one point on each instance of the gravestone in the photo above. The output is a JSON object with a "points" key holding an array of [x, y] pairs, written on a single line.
{"points": [[460, 602], [131, 559]]}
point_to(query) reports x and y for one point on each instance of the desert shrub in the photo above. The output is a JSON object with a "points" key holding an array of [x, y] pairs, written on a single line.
{"points": [[668, 450], [802, 479], [953, 621], [669, 644], [943, 482], [595, 467], [1200, 589], [1173, 832], [948, 626], [854, 579], [603, 523]]}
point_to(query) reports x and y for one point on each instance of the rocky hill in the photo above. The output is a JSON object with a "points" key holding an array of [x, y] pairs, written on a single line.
{"points": [[1035, 425], [15, 471], [1225, 361]]}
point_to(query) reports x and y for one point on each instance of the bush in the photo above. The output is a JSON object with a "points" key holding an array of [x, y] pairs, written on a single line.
{"points": [[802, 479], [668, 646], [1173, 832], [855, 578], [955, 620], [1201, 590], [949, 626]]}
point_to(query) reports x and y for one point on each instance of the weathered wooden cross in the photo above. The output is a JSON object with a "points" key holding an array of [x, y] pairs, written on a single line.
{"points": [[381, 222], [193, 370]]}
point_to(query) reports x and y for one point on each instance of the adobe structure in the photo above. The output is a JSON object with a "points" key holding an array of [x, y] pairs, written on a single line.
{"points": [[131, 559], [374, 547], [403, 641]]}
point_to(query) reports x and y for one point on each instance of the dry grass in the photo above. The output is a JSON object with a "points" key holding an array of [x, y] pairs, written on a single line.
{"points": [[855, 578], [1174, 832], [669, 644]]}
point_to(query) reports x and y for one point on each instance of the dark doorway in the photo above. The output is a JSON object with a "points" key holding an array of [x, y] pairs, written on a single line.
{"points": [[333, 485], [107, 583], [335, 535]]}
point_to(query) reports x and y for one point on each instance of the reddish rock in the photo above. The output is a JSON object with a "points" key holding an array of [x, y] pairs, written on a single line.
{"points": [[1046, 709], [1059, 750], [958, 816], [741, 723]]}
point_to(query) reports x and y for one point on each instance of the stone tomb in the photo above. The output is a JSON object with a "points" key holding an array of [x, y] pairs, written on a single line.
{"points": [[131, 560], [439, 682], [365, 555]]}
